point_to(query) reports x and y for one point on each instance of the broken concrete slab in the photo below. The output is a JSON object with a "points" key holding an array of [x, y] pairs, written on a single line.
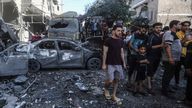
{"points": [[20, 79], [10, 100]]}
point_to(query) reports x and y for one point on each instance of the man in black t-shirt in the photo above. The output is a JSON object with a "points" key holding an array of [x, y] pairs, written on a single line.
{"points": [[154, 44], [113, 60]]}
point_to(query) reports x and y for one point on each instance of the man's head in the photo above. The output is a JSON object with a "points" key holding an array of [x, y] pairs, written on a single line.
{"points": [[175, 24], [143, 29], [185, 25], [117, 30], [157, 27]]}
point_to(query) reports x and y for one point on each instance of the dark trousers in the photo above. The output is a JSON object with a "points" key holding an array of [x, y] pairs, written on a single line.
{"points": [[188, 92], [168, 74], [178, 69], [132, 65], [152, 67]]}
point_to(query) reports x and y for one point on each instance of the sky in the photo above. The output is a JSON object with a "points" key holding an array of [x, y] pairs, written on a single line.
{"points": [[76, 5]]}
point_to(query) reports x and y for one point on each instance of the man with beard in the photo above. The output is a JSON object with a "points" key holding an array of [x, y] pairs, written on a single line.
{"points": [[113, 60], [138, 38], [154, 44], [170, 56]]}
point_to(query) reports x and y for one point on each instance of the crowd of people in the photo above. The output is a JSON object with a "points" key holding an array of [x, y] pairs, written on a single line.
{"points": [[171, 46]]}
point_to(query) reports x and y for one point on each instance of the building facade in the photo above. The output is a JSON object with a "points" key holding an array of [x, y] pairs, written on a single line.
{"points": [[163, 10], [29, 15]]}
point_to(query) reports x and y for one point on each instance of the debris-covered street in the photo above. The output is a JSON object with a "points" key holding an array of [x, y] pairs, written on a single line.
{"points": [[75, 88]]}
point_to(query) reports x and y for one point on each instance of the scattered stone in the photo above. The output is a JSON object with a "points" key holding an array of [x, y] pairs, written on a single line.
{"points": [[71, 92], [4, 86], [97, 91], [82, 87], [76, 78], [55, 78], [20, 79], [18, 88]]}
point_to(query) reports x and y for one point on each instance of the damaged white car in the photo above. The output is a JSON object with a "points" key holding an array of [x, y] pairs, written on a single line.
{"points": [[62, 53], [14, 60]]}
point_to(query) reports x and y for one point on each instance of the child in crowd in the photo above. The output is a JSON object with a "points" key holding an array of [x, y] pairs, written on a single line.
{"points": [[141, 70]]}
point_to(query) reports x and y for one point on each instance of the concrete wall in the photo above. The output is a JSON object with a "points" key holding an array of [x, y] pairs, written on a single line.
{"points": [[169, 10], [166, 10]]}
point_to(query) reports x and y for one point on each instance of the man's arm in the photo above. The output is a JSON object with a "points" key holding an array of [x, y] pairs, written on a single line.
{"points": [[157, 46], [105, 50], [123, 57], [168, 52]]}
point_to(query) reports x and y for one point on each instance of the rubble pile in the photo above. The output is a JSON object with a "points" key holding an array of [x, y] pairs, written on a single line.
{"points": [[73, 89]]}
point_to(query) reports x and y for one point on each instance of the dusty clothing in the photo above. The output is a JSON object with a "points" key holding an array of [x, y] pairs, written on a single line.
{"points": [[114, 72], [114, 51], [172, 39]]}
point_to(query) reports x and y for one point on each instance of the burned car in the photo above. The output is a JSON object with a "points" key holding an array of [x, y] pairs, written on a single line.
{"points": [[62, 53], [14, 60], [95, 42]]}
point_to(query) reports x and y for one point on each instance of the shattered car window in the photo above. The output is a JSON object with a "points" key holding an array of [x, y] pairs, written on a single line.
{"points": [[65, 45], [47, 45]]}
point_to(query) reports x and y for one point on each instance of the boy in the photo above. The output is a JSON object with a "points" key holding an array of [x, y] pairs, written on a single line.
{"points": [[141, 69]]}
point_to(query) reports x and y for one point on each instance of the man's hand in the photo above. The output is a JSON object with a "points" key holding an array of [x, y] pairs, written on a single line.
{"points": [[171, 61], [104, 67], [124, 65]]}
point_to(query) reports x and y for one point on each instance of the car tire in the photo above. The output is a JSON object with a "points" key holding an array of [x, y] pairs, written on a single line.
{"points": [[33, 65], [94, 63]]}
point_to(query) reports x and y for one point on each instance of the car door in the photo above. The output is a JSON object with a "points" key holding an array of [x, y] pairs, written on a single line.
{"points": [[70, 55], [13, 62], [46, 53]]}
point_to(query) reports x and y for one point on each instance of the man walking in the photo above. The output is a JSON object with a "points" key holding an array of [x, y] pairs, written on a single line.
{"points": [[113, 60], [171, 55]]}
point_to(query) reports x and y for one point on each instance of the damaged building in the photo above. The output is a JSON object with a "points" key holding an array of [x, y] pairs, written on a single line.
{"points": [[29, 16]]}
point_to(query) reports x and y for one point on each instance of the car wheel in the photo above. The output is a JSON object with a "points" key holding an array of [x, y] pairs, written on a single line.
{"points": [[34, 65], [94, 64]]}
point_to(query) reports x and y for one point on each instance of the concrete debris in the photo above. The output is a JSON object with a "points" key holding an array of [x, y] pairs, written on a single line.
{"points": [[10, 100], [82, 87], [97, 91], [21, 105], [20, 79], [18, 88]]}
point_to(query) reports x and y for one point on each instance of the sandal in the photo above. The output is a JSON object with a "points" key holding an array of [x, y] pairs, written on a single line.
{"points": [[117, 100], [107, 95]]}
